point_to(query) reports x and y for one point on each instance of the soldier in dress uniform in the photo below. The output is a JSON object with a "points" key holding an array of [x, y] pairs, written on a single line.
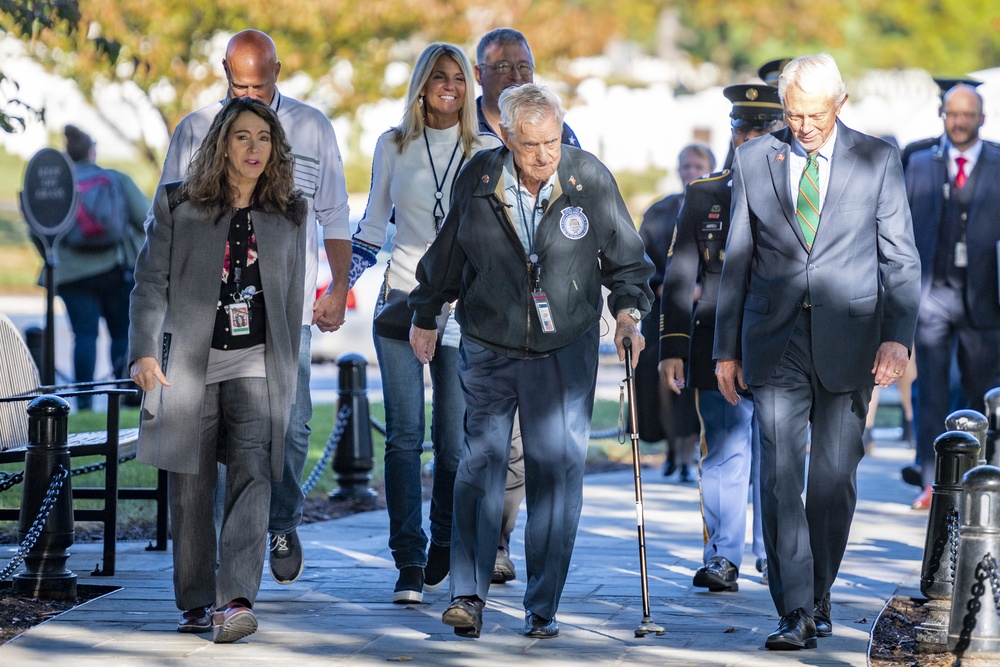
{"points": [[686, 339]]}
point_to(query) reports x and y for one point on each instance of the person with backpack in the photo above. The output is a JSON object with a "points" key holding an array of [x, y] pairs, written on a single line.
{"points": [[96, 258]]}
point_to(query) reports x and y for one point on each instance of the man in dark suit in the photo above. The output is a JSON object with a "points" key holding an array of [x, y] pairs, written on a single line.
{"points": [[954, 194], [944, 85], [818, 301]]}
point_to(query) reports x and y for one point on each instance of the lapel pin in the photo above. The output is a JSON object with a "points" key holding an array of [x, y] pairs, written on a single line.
{"points": [[572, 180], [486, 178], [780, 157]]}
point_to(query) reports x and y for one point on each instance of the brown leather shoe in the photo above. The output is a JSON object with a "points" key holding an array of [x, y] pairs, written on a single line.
{"points": [[233, 623], [196, 620], [923, 501]]}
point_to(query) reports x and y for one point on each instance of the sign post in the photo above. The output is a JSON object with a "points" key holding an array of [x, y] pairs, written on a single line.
{"points": [[48, 203]]}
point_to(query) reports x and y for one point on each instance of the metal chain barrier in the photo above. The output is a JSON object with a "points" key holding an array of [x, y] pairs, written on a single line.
{"points": [[51, 495], [100, 465], [954, 537], [989, 564], [331, 446], [9, 481]]}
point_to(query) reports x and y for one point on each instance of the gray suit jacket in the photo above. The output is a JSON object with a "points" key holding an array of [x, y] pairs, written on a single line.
{"points": [[862, 275], [177, 281]]}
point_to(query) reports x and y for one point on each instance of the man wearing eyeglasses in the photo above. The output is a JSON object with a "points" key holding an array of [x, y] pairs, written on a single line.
{"points": [[504, 60], [954, 194]]}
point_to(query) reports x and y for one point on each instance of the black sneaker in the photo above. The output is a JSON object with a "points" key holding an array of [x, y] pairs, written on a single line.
{"points": [[438, 565], [285, 556], [409, 586]]}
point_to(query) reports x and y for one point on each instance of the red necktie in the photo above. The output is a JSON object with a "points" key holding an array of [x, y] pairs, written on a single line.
{"points": [[961, 176]]}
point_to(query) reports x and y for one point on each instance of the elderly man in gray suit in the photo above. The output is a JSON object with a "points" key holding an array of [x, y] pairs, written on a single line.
{"points": [[817, 304]]}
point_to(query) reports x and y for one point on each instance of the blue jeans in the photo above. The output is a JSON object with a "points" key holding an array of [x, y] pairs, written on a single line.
{"points": [[286, 495], [403, 391], [87, 301]]}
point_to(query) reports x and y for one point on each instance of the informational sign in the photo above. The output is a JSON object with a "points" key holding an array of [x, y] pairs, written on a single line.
{"points": [[48, 203], [49, 197]]}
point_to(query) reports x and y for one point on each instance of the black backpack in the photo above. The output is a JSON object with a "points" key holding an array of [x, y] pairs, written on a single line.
{"points": [[101, 212]]}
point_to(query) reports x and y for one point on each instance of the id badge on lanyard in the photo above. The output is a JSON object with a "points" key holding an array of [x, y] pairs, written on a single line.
{"points": [[539, 299]]}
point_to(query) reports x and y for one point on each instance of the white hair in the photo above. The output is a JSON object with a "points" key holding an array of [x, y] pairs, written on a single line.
{"points": [[528, 103], [813, 75]]}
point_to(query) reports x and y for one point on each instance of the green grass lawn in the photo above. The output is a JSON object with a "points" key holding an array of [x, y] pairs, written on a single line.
{"points": [[136, 474]]}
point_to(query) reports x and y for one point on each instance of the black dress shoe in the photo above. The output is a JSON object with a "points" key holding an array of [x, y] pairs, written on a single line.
{"points": [[795, 631], [196, 620], [821, 614], [718, 574], [465, 614], [537, 627]]}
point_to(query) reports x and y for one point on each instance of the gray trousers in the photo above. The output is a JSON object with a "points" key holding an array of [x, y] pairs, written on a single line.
{"points": [[554, 397], [242, 404], [806, 543]]}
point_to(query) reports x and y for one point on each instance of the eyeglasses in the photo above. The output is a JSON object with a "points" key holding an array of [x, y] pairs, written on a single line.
{"points": [[503, 67], [953, 115]]}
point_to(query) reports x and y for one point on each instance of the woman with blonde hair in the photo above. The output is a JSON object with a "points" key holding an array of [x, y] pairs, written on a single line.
{"points": [[414, 166], [214, 337]]}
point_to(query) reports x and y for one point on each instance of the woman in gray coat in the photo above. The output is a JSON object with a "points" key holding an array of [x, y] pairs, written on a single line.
{"points": [[214, 337]]}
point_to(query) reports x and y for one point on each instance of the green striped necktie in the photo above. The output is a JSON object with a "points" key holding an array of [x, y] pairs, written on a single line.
{"points": [[807, 207]]}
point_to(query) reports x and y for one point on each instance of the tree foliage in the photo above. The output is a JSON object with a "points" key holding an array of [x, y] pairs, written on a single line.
{"points": [[944, 37], [27, 19], [170, 49]]}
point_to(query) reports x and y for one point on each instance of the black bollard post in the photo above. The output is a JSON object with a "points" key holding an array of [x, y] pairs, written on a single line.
{"points": [[45, 574], [992, 399], [972, 422], [354, 458], [956, 453], [974, 629]]}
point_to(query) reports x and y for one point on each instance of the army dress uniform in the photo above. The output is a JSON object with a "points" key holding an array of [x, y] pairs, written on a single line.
{"points": [[687, 332]]}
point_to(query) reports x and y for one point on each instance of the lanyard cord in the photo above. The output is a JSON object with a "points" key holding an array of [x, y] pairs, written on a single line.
{"points": [[529, 230], [439, 194]]}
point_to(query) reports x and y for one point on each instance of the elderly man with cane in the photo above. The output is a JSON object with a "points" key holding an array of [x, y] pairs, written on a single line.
{"points": [[535, 229]]}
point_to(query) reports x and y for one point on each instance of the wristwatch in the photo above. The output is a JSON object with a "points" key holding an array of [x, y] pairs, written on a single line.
{"points": [[633, 313]]}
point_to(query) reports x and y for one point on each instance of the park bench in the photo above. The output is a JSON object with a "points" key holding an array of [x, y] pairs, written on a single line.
{"points": [[19, 383]]}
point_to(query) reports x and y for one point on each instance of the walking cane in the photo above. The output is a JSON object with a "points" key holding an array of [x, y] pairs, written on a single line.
{"points": [[647, 626]]}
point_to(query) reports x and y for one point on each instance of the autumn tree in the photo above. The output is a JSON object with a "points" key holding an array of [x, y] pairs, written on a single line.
{"points": [[26, 19], [167, 48], [941, 36]]}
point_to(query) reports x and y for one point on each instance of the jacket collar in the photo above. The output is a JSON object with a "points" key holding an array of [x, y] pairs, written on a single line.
{"points": [[568, 181]]}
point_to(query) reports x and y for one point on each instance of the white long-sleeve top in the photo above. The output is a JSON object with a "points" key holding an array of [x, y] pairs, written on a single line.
{"points": [[404, 181], [319, 172]]}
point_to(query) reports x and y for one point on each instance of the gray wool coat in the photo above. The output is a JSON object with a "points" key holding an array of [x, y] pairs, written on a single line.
{"points": [[177, 280]]}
